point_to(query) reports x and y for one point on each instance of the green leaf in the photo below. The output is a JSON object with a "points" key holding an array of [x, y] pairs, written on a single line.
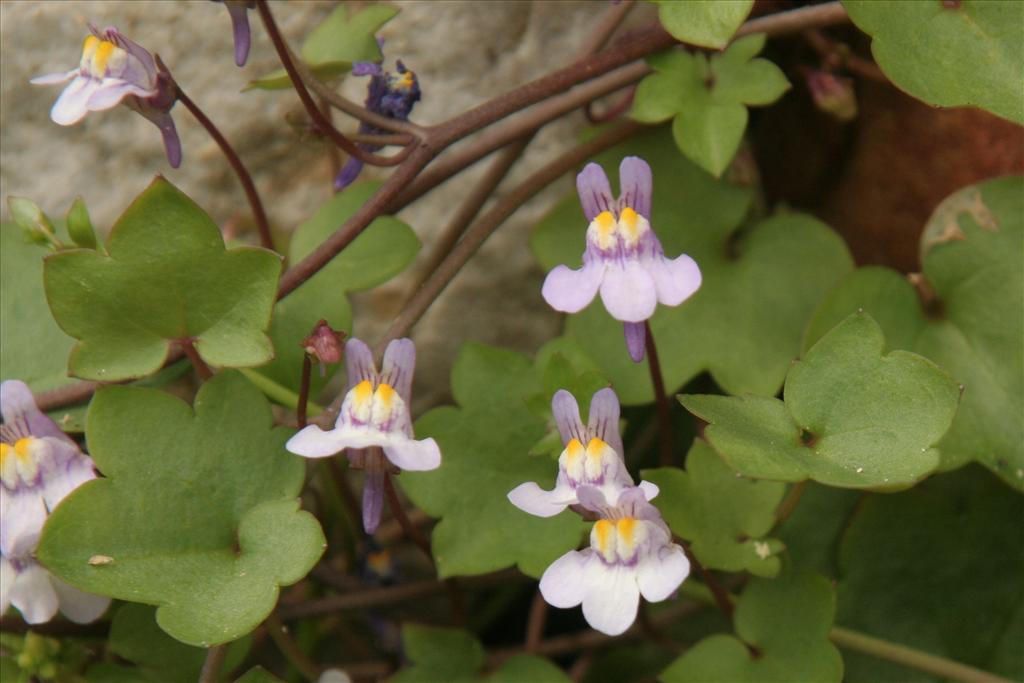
{"points": [[380, 252], [724, 517], [813, 531], [167, 277], [335, 44], [455, 656], [787, 620], [852, 416], [707, 23], [707, 97], [439, 654], [32, 347], [971, 54], [971, 251], [197, 513], [484, 448], [135, 636], [742, 330], [937, 568]]}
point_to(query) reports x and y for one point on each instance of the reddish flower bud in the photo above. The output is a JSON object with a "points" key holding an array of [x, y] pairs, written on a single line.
{"points": [[325, 344]]}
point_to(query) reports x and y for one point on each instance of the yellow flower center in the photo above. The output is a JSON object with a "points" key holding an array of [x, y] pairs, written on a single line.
{"points": [[19, 462], [98, 55]]}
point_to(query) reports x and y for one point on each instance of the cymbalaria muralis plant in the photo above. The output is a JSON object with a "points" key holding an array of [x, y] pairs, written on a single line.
{"points": [[805, 463]]}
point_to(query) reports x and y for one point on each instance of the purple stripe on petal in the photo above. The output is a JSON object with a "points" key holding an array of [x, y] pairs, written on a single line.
{"points": [[398, 367], [636, 183], [636, 340], [359, 363], [373, 498], [594, 190], [603, 420], [675, 280], [569, 291], [18, 407], [628, 292], [593, 499], [567, 417]]}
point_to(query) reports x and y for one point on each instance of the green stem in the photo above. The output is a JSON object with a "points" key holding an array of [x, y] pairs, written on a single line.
{"points": [[909, 657], [278, 393]]}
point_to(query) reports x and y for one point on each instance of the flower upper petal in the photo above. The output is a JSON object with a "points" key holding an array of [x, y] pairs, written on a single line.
{"points": [[18, 406], [594, 190], [603, 421], [569, 291], [628, 292], [79, 606], [562, 583], [567, 417], [612, 598], [636, 184], [359, 363], [675, 280], [33, 594], [659, 575], [398, 366]]}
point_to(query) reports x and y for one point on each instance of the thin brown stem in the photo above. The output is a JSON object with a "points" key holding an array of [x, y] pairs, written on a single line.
{"points": [[606, 26], [719, 592], [259, 215], [613, 112], [535, 622], [213, 663], [788, 503], [319, 120], [201, 368], [393, 139], [470, 207], [300, 408], [290, 649], [660, 398], [491, 220]]}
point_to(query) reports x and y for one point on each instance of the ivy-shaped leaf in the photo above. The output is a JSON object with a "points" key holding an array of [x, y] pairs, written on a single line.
{"points": [[708, 97], [135, 637], [336, 43], [197, 514], [455, 656], [165, 276], [852, 417], [972, 325], [724, 517], [485, 443], [956, 536], [760, 286], [707, 23], [380, 252], [786, 620], [32, 347], [950, 54]]}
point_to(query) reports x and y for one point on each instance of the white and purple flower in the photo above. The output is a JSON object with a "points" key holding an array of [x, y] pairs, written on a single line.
{"points": [[115, 70], [592, 457], [239, 11], [623, 259], [39, 466], [374, 417], [631, 554]]}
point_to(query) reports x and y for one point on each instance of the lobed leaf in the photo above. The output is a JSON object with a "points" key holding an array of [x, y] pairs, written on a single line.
{"points": [[707, 23], [197, 513], [852, 417], [166, 276], [972, 325]]}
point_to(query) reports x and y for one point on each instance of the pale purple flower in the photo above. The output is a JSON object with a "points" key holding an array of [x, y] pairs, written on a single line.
{"points": [[114, 70], [592, 457], [374, 417], [631, 554], [623, 259], [39, 466]]}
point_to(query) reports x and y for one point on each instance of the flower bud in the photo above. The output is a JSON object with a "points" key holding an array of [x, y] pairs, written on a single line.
{"points": [[324, 344]]}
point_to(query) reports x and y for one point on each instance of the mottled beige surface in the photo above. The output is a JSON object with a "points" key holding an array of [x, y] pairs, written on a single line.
{"points": [[463, 52]]}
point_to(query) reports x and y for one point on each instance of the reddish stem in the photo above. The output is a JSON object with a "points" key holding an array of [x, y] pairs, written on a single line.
{"points": [[300, 409], [202, 369], [660, 399]]}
